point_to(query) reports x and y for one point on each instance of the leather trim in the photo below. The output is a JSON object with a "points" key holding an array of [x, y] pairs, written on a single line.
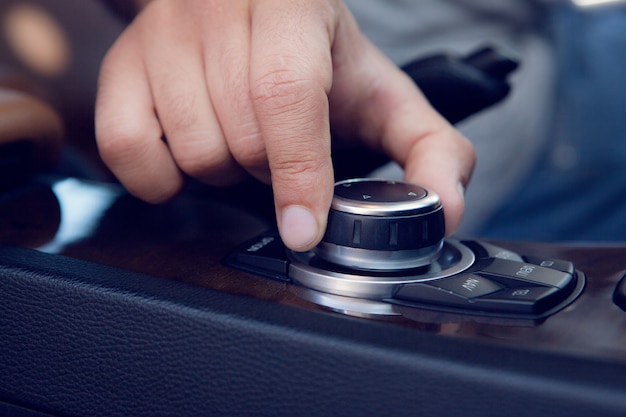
{"points": [[80, 338]]}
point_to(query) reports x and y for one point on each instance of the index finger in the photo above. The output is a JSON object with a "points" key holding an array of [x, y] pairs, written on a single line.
{"points": [[291, 76]]}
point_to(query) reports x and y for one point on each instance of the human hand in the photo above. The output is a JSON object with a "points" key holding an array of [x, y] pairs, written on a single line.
{"points": [[252, 87]]}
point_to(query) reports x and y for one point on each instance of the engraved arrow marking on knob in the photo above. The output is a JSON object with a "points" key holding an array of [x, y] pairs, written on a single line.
{"points": [[366, 197], [412, 194]]}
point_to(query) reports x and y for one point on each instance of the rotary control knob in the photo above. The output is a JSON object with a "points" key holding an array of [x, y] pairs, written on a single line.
{"points": [[376, 224]]}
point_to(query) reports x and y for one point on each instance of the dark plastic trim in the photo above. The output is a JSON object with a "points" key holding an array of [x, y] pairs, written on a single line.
{"points": [[81, 339]]}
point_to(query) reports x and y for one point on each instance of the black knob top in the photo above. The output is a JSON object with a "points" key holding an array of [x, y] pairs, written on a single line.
{"points": [[382, 224]]}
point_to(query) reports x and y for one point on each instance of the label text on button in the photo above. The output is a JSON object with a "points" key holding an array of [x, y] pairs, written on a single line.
{"points": [[525, 271]]}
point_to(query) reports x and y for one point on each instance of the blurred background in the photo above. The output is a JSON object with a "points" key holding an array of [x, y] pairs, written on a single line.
{"points": [[551, 157], [53, 50]]}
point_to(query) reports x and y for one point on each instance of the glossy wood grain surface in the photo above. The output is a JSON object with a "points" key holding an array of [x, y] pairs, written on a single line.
{"points": [[188, 238]]}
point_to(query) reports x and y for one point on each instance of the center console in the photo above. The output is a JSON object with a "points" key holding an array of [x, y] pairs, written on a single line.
{"points": [[111, 306], [384, 253]]}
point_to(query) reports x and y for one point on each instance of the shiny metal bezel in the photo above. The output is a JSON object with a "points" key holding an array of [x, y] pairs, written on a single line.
{"points": [[429, 203], [377, 260], [377, 286], [356, 307]]}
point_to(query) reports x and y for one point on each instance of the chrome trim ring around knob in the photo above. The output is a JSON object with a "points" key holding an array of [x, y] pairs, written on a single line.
{"points": [[309, 271]]}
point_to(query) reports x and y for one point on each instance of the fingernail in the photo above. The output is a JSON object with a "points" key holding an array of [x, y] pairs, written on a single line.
{"points": [[298, 227]]}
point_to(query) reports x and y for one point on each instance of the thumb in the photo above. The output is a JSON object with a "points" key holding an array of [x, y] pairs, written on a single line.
{"points": [[392, 115]]}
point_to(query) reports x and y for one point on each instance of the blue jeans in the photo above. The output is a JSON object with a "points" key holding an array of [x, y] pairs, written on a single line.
{"points": [[577, 190]]}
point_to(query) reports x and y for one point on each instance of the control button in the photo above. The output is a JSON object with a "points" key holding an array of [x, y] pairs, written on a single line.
{"points": [[556, 264], [515, 274], [526, 300], [458, 291], [429, 294], [521, 300], [265, 255], [487, 250], [376, 224], [468, 285]]}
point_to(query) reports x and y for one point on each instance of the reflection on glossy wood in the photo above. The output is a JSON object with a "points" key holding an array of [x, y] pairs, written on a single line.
{"points": [[187, 239]]}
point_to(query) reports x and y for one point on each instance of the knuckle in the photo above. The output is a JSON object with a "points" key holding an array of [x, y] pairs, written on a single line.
{"points": [[285, 170], [471, 151], [467, 149], [279, 90], [181, 112], [299, 180], [120, 144], [209, 162], [199, 160], [249, 151]]}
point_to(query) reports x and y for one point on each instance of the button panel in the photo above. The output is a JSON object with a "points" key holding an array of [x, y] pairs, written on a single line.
{"points": [[493, 282], [265, 255], [516, 274], [504, 285], [468, 285], [526, 300]]}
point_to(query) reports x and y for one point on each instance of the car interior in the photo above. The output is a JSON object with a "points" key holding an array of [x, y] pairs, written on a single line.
{"points": [[110, 306]]}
